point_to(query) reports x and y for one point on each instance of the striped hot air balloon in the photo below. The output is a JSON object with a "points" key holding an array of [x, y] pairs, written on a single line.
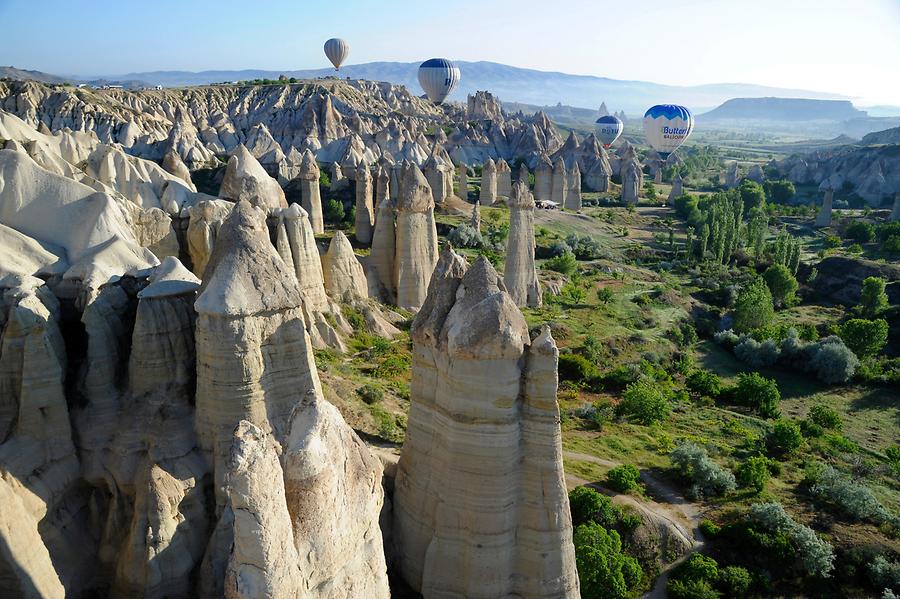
{"points": [[609, 128], [336, 50], [667, 126], [438, 77]]}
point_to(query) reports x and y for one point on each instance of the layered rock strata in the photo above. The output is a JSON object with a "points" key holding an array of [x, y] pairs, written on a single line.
{"points": [[310, 195], [480, 504]]}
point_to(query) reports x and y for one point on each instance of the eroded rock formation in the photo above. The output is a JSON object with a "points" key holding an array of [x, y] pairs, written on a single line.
{"points": [[483, 441], [520, 274], [823, 218]]}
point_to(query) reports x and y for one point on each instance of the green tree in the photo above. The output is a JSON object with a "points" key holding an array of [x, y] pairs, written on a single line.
{"points": [[753, 473], [754, 308], [565, 264], [604, 570], [644, 401], [752, 194], [872, 298], [585, 503], [759, 393], [781, 283], [705, 383], [865, 337], [780, 191], [334, 212], [604, 295]]}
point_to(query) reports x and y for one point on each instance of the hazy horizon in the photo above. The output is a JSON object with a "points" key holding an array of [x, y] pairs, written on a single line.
{"points": [[817, 46]]}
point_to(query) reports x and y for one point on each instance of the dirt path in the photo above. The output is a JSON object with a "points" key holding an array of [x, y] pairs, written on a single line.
{"points": [[667, 504]]}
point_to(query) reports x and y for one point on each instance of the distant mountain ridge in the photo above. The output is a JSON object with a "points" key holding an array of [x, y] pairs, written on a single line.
{"points": [[509, 83], [784, 109]]}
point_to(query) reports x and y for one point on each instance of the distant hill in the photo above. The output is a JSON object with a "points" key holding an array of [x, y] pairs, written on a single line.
{"points": [[510, 84], [888, 136], [26, 75], [784, 109]]}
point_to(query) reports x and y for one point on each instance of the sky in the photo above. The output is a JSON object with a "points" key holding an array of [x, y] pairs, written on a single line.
{"points": [[850, 48]]}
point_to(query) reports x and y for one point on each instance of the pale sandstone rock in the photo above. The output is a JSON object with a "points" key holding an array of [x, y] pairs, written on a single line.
{"points": [[756, 174], [255, 363], [823, 218], [677, 188], [631, 183], [543, 180], [174, 165], [296, 245], [475, 219], [573, 193], [439, 178], [520, 274], [310, 195], [731, 176], [246, 179], [488, 194], [560, 189], [382, 187], [483, 440], [205, 219], [416, 239], [384, 250], [365, 209], [504, 178], [344, 276]]}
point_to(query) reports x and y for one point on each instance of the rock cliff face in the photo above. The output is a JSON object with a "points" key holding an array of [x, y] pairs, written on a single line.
{"points": [[246, 179], [631, 183], [484, 442]]}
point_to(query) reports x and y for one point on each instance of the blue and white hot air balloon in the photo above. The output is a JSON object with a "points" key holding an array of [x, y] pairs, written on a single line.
{"points": [[609, 128], [667, 126], [336, 50], [438, 77]]}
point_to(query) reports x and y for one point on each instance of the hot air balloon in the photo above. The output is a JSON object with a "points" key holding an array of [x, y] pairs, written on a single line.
{"points": [[336, 50], [438, 77], [667, 126], [609, 128]]}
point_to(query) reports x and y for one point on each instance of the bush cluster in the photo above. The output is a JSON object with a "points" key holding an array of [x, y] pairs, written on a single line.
{"points": [[645, 402], [758, 392], [816, 556], [785, 438], [706, 478], [584, 247], [829, 358], [624, 478], [465, 236], [850, 496], [565, 263], [705, 383]]}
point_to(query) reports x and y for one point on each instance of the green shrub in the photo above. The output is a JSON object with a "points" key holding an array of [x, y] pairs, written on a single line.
{"points": [[784, 438], [825, 417], [735, 581], [690, 589], [624, 478], [704, 382], [699, 567], [832, 241], [759, 393], [391, 366], [577, 369], [465, 236], [754, 473], [891, 245], [566, 264], [370, 394], [860, 231], [872, 298], [585, 504], [709, 528], [605, 295], [816, 556], [865, 337], [645, 402], [604, 570], [849, 496], [334, 212]]}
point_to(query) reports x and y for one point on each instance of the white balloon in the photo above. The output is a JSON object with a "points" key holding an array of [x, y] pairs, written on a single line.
{"points": [[666, 126], [438, 77], [336, 50], [609, 128]]}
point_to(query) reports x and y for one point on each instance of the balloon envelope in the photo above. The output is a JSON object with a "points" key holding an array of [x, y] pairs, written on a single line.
{"points": [[667, 126], [336, 50], [609, 128], [438, 77]]}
